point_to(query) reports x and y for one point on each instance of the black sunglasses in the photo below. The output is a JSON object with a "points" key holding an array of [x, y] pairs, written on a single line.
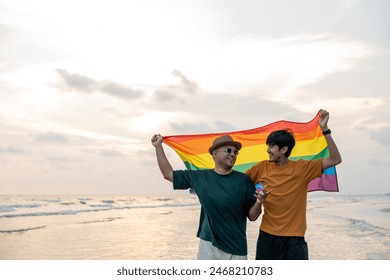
{"points": [[229, 151]]}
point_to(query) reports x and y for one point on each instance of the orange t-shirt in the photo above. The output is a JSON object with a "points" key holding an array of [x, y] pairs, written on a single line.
{"points": [[285, 207]]}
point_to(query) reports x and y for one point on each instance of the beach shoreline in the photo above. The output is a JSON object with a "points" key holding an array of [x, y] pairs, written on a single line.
{"points": [[164, 228]]}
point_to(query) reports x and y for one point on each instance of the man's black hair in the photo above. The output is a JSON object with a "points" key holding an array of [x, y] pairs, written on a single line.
{"points": [[282, 138]]}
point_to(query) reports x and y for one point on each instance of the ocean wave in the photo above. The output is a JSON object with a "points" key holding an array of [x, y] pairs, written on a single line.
{"points": [[94, 208], [363, 228], [108, 201], [385, 210], [21, 230], [13, 207], [105, 220], [84, 198], [51, 200], [6, 208], [106, 205]]}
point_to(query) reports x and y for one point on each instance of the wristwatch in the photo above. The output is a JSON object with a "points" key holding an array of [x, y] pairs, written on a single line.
{"points": [[326, 132]]}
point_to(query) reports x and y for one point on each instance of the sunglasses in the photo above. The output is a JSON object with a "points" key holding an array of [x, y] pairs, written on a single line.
{"points": [[229, 151]]}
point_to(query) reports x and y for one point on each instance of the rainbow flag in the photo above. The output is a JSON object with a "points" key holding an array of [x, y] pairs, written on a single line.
{"points": [[309, 144]]}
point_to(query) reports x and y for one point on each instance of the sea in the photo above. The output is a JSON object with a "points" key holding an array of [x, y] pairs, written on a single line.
{"points": [[130, 227]]}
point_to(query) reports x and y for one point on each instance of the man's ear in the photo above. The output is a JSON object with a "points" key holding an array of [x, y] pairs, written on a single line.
{"points": [[284, 149]]}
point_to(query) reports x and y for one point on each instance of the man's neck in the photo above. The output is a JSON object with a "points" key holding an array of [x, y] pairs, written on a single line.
{"points": [[222, 171], [282, 162]]}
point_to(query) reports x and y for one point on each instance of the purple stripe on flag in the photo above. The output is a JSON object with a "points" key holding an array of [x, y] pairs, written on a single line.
{"points": [[324, 183]]}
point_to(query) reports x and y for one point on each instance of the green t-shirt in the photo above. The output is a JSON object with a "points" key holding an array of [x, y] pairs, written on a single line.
{"points": [[225, 202]]}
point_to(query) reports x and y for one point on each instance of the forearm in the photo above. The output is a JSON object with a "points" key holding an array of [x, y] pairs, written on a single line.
{"points": [[255, 211], [163, 163], [334, 153]]}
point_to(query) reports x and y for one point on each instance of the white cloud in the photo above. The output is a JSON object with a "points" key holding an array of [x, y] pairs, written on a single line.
{"points": [[342, 106], [295, 61]]}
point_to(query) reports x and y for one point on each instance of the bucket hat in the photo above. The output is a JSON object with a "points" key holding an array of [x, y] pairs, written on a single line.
{"points": [[224, 140]]}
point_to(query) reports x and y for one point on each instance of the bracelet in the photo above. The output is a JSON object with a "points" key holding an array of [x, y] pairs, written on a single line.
{"points": [[326, 132]]}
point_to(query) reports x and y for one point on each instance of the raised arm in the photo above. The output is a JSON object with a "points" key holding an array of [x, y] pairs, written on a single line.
{"points": [[163, 163], [334, 154]]}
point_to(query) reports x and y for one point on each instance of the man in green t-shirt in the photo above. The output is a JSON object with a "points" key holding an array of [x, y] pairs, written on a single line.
{"points": [[227, 198]]}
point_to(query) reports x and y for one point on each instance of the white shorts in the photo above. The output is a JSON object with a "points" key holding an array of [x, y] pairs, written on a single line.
{"points": [[207, 251]]}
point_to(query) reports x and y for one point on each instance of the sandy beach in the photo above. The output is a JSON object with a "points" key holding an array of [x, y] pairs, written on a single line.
{"points": [[164, 228]]}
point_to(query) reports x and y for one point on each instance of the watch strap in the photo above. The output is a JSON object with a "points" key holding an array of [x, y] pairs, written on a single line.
{"points": [[325, 132]]}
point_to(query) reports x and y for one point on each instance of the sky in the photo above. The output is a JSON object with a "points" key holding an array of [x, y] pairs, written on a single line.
{"points": [[85, 84]]}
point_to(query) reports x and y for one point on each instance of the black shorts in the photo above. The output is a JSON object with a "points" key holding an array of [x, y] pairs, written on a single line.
{"points": [[273, 247]]}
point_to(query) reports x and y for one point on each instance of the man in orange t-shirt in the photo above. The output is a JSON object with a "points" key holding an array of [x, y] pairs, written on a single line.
{"points": [[285, 182]]}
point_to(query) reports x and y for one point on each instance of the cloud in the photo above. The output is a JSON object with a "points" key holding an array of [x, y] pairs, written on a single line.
{"points": [[85, 84], [289, 62], [51, 137], [382, 136], [118, 90], [186, 108], [380, 163], [200, 127], [62, 161], [165, 95], [78, 82], [113, 112], [354, 104], [111, 153], [12, 150], [177, 93], [187, 86]]}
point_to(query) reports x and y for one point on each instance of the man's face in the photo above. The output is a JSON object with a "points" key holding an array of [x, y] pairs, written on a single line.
{"points": [[226, 155], [275, 154]]}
